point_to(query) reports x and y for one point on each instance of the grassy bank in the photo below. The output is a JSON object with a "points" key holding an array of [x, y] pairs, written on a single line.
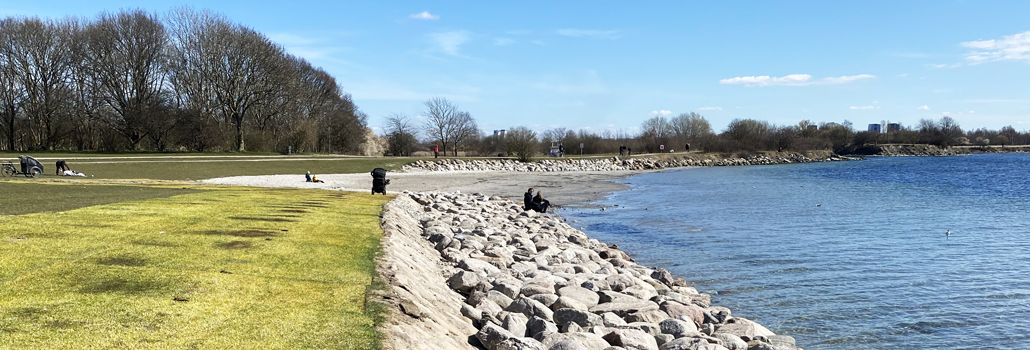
{"points": [[196, 167], [163, 266]]}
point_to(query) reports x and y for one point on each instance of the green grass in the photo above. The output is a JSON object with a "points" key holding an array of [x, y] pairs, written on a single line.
{"points": [[174, 168], [23, 197], [206, 267]]}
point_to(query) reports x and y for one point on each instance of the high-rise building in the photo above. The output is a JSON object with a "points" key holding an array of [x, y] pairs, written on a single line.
{"points": [[893, 127], [500, 133], [874, 128]]}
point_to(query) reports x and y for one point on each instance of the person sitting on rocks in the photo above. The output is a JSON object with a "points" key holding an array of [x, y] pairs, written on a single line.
{"points": [[315, 179], [528, 200], [539, 203]]}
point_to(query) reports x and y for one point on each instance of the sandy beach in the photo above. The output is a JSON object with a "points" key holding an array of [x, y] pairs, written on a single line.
{"points": [[561, 188]]}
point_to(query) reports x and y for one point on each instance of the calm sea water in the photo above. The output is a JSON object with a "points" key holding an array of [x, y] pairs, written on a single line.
{"points": [[849, 255]]}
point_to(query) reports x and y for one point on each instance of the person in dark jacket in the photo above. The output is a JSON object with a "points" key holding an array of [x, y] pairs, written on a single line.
{"points": [[539, 203], [528, 200]]}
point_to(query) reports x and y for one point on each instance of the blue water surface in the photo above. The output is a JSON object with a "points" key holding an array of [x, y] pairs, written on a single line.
{"points": [[845, 255]]}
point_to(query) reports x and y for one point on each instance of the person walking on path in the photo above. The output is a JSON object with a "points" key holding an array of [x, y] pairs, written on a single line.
{"points": [[436, 151]]}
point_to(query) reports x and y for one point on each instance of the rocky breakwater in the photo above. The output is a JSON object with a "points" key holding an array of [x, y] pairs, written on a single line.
{"points": [[617, 163], [530, 281]]}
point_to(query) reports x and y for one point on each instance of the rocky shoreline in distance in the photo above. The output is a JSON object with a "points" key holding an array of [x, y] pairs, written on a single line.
{"points": [[651, 162], [470, 271]]}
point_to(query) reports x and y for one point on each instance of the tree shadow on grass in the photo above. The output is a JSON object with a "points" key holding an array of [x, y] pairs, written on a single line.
{"points": [[121, 285]]}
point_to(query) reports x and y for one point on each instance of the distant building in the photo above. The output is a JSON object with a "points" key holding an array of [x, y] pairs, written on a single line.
{"points": [[813, 127], [500, 133], [874, 128], [893, 127]]}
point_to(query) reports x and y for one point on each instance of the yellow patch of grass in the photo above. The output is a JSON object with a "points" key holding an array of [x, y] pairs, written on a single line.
{"points": [[217, 268]]}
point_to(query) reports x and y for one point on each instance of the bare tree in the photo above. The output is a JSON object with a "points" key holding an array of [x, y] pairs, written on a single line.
{"points": [[521, 142], [12, 92], [40, 52], [440, 124], [690, 127], [400, 135], [464, 129], [655, 132], [125, 51]]}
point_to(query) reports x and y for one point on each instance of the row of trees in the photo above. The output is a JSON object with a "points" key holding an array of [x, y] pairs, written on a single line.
{"points": [[191, 80], [444, 124]]}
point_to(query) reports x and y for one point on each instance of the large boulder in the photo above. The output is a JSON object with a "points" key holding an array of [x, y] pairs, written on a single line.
{"points": [[478, 266], [678, 328], [730, 341], [744, 328], [464, 281], [631, 339], [536, 327], [584, 319], [530, 308], [689, 312], [582, 295], [516, 323], [690, 344], [575, 341], [624, 308]]}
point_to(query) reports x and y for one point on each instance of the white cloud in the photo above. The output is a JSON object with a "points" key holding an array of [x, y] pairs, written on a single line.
{"points": [[450, 42], [923, 108], [945, 65], [709, 108], [503, 41], [1015, 47], [863, 108], [793, 80], [318, 49], [424, 16], [609, 34], [661, 113]]}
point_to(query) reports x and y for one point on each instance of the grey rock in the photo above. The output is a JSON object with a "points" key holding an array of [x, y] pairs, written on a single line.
{"points": [[575, 341], [564, 317], [620, 282], [516, 323], [730, 341], [520, 344], [491, 335], [538, 327], [624, 308], [567, 303], [631, 339], [546, 299], [471, 313], [744, 328], [690, 344], [498, 298], [508, 288], [534, 289], [582, 295], [651, 316], [478, 266], [677, 328], [691, 312], [612, 320], [464, 281], [530, 307]]}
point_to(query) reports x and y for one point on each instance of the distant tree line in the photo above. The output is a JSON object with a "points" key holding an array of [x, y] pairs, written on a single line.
{"points": [[189, 81], [445, 125]]}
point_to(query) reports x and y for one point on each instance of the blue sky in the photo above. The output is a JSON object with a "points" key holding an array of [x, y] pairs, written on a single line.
{"points": [[609, 65]]}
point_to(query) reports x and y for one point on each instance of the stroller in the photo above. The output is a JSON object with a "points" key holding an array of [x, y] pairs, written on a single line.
{"points": [[30, 167], [379, 181]]}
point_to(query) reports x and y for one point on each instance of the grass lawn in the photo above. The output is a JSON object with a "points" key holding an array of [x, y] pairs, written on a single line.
{"points": [[181, 168], [162, 266]]}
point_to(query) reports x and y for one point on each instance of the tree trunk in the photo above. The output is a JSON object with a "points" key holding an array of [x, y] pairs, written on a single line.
{"points": [[10, 129], [240, 147]]}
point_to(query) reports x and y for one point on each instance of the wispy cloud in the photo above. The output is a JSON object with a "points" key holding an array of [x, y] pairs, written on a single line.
{"points": [[450, 42], [1015, 47], [588, 83], [608, 34], [502, 41], [945, 65], [793, 80], [923, 108], [709, 108], [863, 108], [424, 16], [661, 113], [315, 48]]}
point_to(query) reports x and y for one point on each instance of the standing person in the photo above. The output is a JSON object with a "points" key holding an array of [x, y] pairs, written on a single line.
{"points": [[436, 151], [528, 199], [686, 148], [307, 176], [561, 150], [539, 203]]}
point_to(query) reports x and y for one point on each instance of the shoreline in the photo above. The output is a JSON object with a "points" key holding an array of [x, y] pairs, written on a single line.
{"points": [[472, 271]]}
